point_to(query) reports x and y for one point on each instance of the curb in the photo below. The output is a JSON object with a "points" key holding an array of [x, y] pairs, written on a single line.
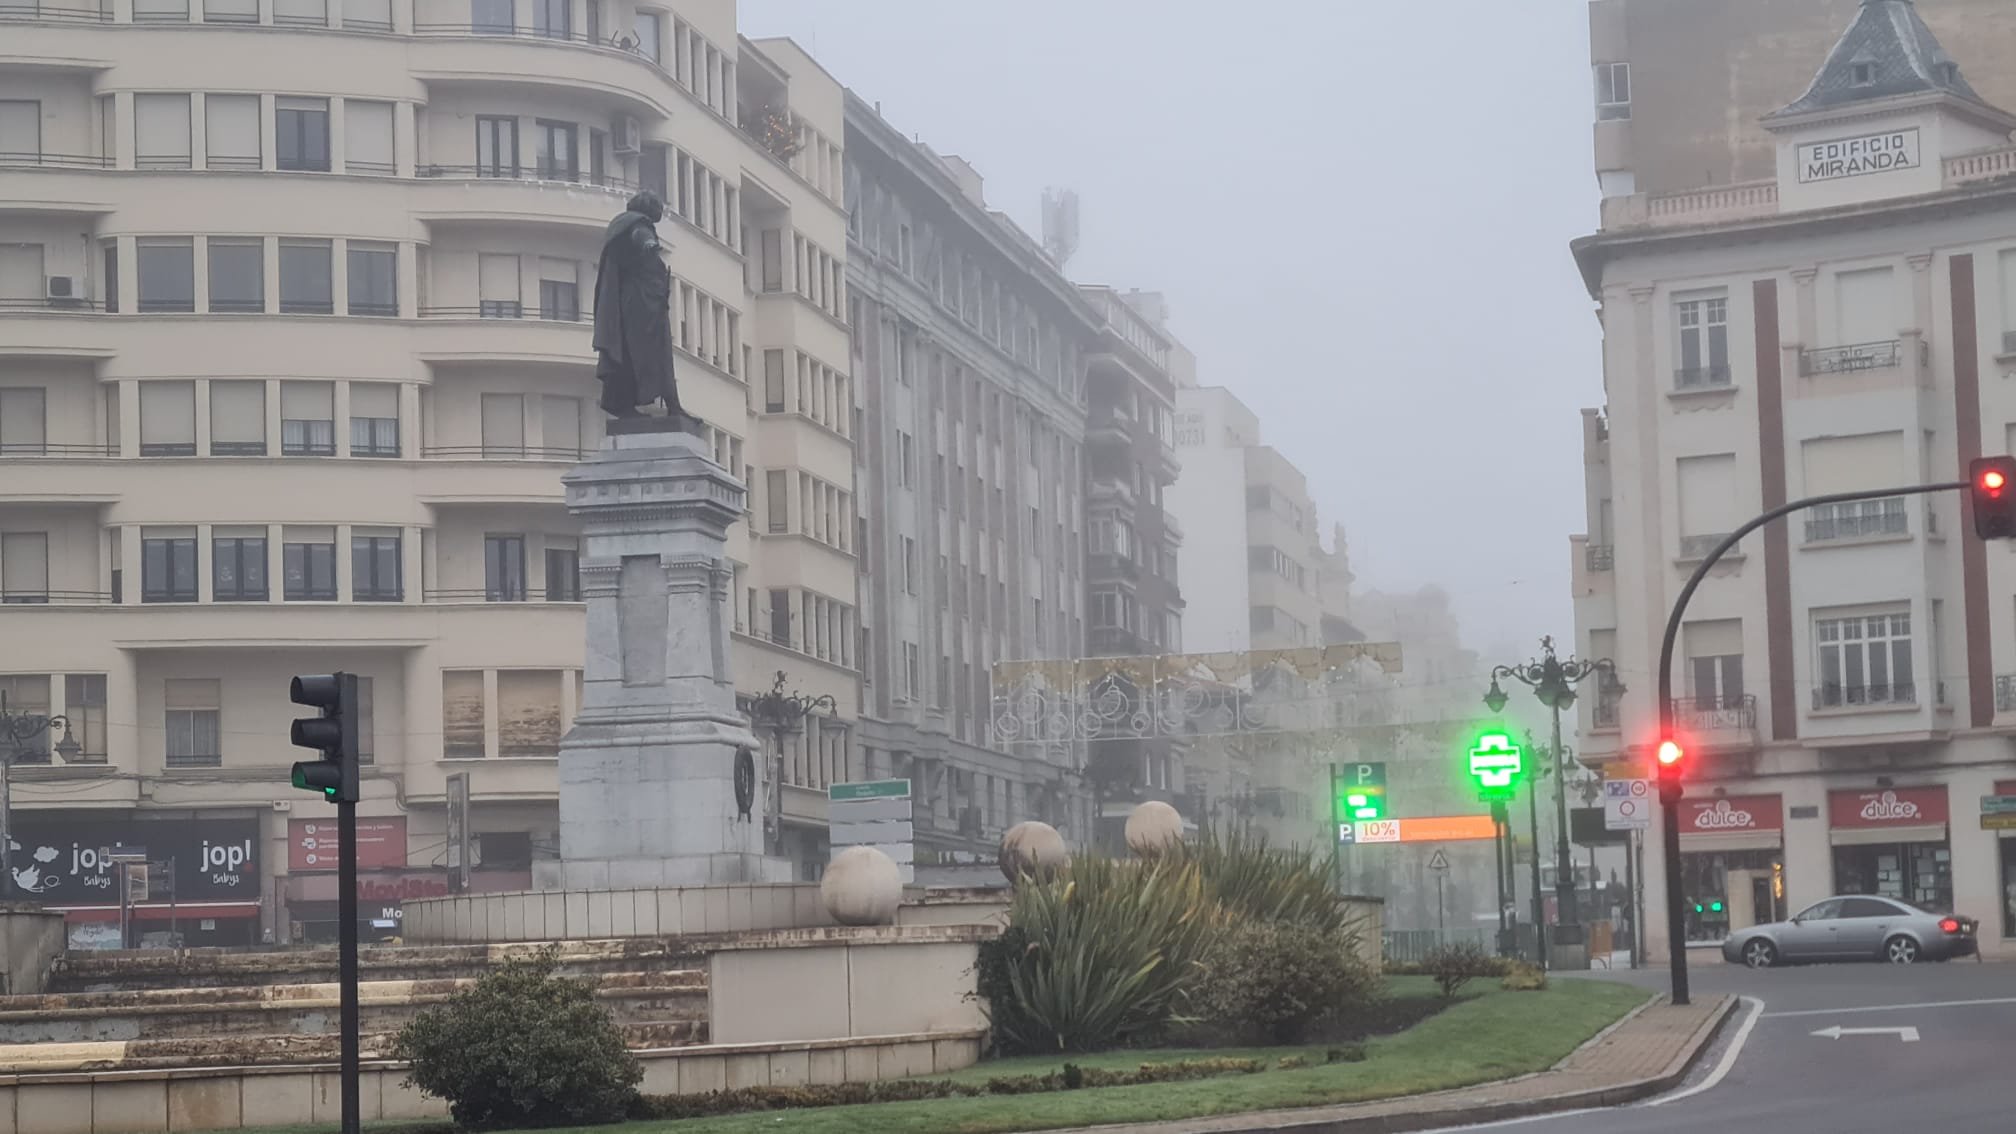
{"points": [[1289, 1122]]}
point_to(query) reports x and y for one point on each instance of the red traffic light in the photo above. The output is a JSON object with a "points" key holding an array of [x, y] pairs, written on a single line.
{"points": [[1669, 753], [1992, 482], [1992, 491]]}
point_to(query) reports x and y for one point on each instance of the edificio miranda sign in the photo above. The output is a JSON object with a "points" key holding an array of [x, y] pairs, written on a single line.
{"points": [[1837, 158]]}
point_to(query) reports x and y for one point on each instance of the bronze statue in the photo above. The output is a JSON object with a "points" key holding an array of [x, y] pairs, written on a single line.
{"points": [[633, 315]]}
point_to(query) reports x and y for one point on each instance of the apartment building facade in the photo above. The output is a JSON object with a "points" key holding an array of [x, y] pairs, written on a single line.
{"points": [[1841, 680], [970, 351], [293, 351]]}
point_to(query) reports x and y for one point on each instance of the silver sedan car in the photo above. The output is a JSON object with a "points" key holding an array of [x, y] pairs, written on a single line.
{"points": [[1854, 927]]}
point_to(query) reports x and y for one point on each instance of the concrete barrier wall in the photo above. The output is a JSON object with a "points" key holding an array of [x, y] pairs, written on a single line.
{"points": [[157, 1102], [31, 939], [579, 915], [870, 982]]}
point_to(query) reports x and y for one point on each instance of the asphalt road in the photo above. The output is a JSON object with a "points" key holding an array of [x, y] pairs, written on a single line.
{"points": [[1786, 1080]]}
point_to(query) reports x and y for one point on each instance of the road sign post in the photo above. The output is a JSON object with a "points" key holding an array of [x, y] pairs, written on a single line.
{"points": [[1439, 863]]}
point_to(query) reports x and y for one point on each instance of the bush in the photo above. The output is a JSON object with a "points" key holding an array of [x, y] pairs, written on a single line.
{"points": [[522, 1048], [1453, 966], [1106, 953], [1253, 881], [1277, 983], [1524, 976]]}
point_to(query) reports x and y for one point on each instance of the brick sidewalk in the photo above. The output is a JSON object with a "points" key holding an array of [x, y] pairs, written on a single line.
{"points": [[1643, 1054]]}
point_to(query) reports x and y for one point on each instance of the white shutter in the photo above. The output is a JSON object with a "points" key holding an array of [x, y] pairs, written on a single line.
{"points": [[1865, 304], [161, 130], [560, 271], [1708, 495], [311, 12], [191, 693], [1718, 639], [156, 11], [503, 421], [24, 418], [21, 270], [1850, 464], [231, 11], [368, 15], [231, 130], [20, 128], [167, 413], [308, 401], [24, 563], [497, 277], [374, 399], [561, 420], [237, 412], [367, 136]]}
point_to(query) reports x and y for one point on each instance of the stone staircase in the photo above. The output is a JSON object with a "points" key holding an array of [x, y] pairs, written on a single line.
{"points": [[211, 1008]]}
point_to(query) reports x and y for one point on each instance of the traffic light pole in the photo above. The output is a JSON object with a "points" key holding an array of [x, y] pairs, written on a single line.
{"points": [[346, 977], [1669, 808]]}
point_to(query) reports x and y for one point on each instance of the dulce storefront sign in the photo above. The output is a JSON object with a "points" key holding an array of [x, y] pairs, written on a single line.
{"points": [[1887, 807], [1736, 814]]}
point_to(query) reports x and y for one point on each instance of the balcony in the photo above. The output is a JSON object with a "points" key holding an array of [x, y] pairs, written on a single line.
{"points": [[550, 175], [1858, 520], [1112, 566], [1860, 358], [1688, 379], [1715, 722], [1897, 694], [1111, 428], [1598, 557]]}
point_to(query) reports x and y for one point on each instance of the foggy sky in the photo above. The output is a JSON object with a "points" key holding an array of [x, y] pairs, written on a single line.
{"points": [[1360, 213]]}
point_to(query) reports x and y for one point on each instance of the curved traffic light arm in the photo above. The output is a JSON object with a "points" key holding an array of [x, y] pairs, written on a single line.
{"points": [[1676, 935]]}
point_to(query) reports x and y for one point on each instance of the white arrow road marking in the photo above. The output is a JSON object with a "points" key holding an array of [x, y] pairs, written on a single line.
{"points": [[1908, 1035]]}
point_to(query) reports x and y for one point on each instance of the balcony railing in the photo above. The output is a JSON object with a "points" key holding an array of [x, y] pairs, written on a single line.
{"points": [[61, 303], [1850, 696], [54, 598], [31, 10], [603, 180], [507, 309], [1713, 714], [503, 453], [1599, 557], [1701, 377], [1858, 520], [23, 159], [1858, 357]]}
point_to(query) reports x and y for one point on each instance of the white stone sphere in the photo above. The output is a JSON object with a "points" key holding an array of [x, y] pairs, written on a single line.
{"points": [[1153, 828], [1034, 849], [862, 886]]}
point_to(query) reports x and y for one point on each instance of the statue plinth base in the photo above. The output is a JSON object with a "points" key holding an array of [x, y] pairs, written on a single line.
{"points": [[647, 774]]}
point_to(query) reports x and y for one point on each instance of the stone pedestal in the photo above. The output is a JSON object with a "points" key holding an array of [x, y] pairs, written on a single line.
{"points": [[647, 773]]}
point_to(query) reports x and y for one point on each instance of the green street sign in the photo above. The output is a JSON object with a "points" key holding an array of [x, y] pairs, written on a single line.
{"points": [[1360, 790], [1497, 765], [870, 789]]}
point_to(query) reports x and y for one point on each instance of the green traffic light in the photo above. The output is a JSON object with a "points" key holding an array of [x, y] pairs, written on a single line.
{"points": [[1715, 906], [1697, 907]]}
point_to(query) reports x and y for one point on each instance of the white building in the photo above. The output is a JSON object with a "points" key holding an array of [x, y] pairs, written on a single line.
{"points": [[1842, 679]]}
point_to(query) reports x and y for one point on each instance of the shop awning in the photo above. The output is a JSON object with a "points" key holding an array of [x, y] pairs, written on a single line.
{"points": [[1732, 841], [1874, 836]]}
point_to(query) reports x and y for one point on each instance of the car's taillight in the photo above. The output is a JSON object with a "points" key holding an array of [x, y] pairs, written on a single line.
{"points": [[1949, 925]]}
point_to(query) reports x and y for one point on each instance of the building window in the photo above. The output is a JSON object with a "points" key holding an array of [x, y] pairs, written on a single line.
{"points": [[301, 129], [563, 574], [238, 569], [496, 142], [24, 568], [491, 17], [167, 274], [777, 483], [161, 134], [1862, 74], [84, 705], [559, 291], [911, 678], [1858, 519], [504, 568], [650, 35], [1704, 343], [1613, 92], [367, 129], [559, 147], [308, 419], [168, 569], [24, 420], [560, 428], [237, 275], [1864, 660], [195, 732], [463, 714], [374, 568], [498, 287], [503, 424], [308, 566], [374, 278], [167, 419], [231, 123], [553, 19], [374, 419], [909, 565], [301, 13], [27, 694], [305, 275]]}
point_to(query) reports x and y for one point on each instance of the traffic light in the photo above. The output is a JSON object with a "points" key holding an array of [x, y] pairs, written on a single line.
{"points": [[333, 734], [1992, 485], [1670, 759]]}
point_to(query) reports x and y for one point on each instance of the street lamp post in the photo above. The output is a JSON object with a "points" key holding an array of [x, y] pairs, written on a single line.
{"points": [[783, 715], [17, 730], [1553, 681], [1533, 817]]}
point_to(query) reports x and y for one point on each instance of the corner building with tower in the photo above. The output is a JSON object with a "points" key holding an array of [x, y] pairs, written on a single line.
{"points": [[1844, 681], [294, 348]]}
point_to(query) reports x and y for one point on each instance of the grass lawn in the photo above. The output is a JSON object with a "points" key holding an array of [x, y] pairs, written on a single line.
{"points": [[1490, 1034]]}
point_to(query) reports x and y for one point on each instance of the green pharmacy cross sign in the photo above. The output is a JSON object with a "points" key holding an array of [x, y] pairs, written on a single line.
{"points": [[1497, 765]]}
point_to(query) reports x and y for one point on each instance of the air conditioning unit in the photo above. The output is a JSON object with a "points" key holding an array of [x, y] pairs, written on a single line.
{"points": [[62, 290], [629, 136]]}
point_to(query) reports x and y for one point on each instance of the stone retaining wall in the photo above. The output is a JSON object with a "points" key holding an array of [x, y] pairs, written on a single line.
{"points": [[563, 915], [159, 1102]]}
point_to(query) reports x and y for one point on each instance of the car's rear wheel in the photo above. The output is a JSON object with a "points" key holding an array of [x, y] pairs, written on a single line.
{"points": [[1760, 954], [1901, 950]]}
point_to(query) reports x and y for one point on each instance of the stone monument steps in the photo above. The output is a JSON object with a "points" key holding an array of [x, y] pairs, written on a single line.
{"points": [[216, 968], [674, 999]]}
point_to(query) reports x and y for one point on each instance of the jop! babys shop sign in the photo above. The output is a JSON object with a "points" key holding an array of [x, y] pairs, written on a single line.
{"points": [[61, 862]]}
